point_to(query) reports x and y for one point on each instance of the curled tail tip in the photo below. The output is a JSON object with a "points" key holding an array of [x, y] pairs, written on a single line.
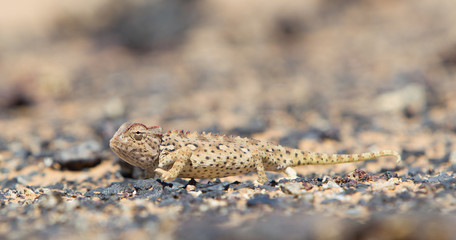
{"points": [[394, 154], [397, 155]]}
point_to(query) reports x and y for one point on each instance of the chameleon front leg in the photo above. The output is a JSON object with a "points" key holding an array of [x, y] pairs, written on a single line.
{"points": [[149, 171], [179, 159]]}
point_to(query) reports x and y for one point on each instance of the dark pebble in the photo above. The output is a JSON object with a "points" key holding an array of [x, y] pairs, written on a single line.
{"points": [[152, 194], [344, 181], [268, 187], [261, 199], [416, 153], [215, 194], [389, 175], [449, 184], [283, 180], [93, 192], [145, 27], [174, 193], [404, 196], [239, 185], [441, 160], [210, 186], [149, 188], [146, 184], [293, 138], [361, 186], [452, 168], [15, 98], [3, 144], [127, 170], [255, 125], [84, 155], [441, 177], [348, 184], [329, 201], [418, 179], [106, 127], [179, 183], [379, 201], [142, 220], [111, 191], [112, 198], [413, 171], [331, 134], [116, 188], [23, 154], [69, 192], [272, 183], [192, 182], [10, 183], [394, 169], [350, 191], [57, 186], [167, 202], [165, 184], [361, 122], [361, 175]]}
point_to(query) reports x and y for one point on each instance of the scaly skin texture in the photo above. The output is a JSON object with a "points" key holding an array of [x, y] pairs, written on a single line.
{"points": [[192, 155]]}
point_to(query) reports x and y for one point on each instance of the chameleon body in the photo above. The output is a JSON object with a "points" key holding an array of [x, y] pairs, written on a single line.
{"points": [[191, 155]]}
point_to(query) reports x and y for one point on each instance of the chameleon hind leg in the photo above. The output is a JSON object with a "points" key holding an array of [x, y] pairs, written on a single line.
{"points": [[290, 172], [259, 165]]}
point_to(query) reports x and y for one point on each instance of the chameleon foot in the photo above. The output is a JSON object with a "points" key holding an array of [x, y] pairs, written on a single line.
{"points": [[164, 175]]}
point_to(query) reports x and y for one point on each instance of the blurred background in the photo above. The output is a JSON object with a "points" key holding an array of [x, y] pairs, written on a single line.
{"points": [[229, 65]]}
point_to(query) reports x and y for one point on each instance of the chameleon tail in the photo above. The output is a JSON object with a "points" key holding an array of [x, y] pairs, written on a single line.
{"points": [[310, 158]]}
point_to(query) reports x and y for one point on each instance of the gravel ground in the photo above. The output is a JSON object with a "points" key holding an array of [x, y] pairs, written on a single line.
{"points": [[333, 77]]}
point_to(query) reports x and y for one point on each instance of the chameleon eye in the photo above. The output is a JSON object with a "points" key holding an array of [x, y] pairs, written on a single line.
{"points": [[137, 135]]}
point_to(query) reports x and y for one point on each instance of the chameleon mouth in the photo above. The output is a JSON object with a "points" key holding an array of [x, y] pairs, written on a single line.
{"points": [[118, 148], [113, 144], [116, 144]]}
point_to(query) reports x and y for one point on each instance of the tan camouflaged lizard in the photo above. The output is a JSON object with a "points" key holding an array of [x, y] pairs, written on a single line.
{"points": [[192, 155]]}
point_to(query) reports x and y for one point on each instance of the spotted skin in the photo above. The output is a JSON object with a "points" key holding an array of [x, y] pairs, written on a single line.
{"points": [[191, 155]]}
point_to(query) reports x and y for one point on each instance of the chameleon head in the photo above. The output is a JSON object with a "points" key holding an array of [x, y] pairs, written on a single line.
{"points": [[137, 144]]}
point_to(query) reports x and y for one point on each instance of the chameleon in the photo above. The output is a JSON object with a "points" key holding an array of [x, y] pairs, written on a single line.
{"points": [[175, 154]]}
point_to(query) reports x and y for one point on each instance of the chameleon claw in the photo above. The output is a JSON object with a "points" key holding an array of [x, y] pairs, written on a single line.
{"points": [[164, 175], [159, 171]]}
